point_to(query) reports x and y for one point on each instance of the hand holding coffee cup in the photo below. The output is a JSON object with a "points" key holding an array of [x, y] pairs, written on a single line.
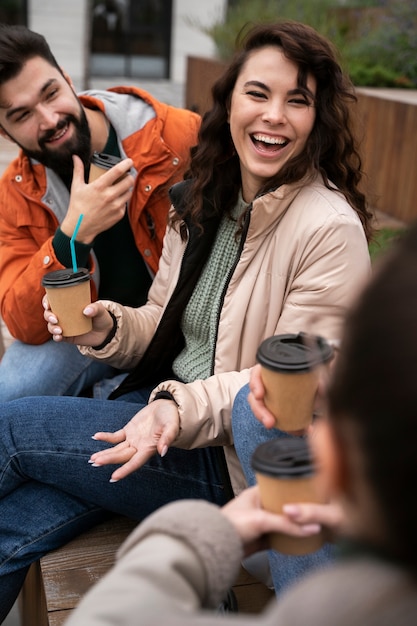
{"points": [[290, 371], [69, 293], [285, 474]]}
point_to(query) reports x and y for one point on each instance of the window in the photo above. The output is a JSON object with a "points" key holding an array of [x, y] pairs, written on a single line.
{"points": [[13, 12], [131, 38]]}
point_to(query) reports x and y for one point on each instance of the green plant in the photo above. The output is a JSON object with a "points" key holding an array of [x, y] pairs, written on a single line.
{"points": [[383, 240], [377, 76], [377, 40], [245, 12]]}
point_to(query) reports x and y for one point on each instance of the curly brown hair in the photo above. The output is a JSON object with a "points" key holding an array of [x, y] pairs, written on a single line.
{"points": [[330, 149]]}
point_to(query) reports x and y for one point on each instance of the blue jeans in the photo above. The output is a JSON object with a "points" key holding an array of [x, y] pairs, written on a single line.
{"points": [[248, 433], [50, 369], [49, 492]]}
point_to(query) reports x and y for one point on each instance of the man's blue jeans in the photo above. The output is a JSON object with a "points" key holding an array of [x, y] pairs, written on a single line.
{"points": [[49, 492], [50, 369], [248, 433]]}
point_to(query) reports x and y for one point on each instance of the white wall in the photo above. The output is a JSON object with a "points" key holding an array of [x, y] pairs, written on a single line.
{"points": [[65, 25], [188, 39]]}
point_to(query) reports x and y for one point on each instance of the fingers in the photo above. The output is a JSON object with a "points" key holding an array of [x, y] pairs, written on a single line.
{"points": [[253, 523], [256, 398], [256, 385], [330, 515], [120, 172], [260, 411], [152, 430], [78, 173], [124, 454]]}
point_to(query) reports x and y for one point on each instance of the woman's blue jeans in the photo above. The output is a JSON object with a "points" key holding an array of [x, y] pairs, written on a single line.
{"points": [[50, 369], [49, 492], [248, 433]]}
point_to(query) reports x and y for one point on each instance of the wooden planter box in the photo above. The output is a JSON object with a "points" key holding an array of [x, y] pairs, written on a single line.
{"points": [[387, 121]]}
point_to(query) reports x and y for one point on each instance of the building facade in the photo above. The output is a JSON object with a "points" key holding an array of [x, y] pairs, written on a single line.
{"points": [[148, 39]]}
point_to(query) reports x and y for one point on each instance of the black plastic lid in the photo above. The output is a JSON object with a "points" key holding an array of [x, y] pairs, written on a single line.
{"points": [[105, 161], [284, 457], [65, 278], [293, 353]]}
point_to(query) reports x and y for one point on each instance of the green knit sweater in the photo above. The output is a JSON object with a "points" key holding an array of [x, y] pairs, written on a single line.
{"points": [[200, 318]]}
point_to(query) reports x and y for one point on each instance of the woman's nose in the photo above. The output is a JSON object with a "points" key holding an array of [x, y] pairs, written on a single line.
{"points": [[274, 113]]}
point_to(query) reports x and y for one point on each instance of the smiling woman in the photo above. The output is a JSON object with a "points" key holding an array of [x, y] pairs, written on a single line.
{"points": [[271, 116]]}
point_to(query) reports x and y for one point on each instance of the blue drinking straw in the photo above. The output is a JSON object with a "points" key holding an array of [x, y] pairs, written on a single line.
{"points": [[74, 235]]}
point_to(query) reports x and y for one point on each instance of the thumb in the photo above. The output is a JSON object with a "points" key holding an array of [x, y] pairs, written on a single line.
{"points": [[78, 172]]}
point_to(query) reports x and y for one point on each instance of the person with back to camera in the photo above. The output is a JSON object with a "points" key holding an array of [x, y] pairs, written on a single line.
{"points": [[365, 454], [258, 243], [42, 194]]}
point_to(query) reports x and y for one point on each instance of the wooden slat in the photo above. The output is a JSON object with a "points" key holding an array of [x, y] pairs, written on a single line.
{"points": [[390, 155], [252, 596], [31, 602], [65, 575], [71, 570]]}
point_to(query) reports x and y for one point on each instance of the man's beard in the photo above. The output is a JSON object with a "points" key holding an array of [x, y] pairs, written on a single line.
{"points": [[60, 160]]}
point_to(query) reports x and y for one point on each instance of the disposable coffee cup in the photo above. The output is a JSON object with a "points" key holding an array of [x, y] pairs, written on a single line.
{"points": [[68, 294], [101, 163], [290, 369], [285, 474]]}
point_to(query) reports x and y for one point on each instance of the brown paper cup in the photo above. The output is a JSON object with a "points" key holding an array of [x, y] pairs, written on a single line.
{"points": [[276, 492], [285, 474], [290, 397], [68, 295], [101, 163], [290, 366]]}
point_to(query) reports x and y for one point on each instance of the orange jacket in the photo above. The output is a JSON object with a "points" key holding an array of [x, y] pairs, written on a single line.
{"points": [[33, 202]]}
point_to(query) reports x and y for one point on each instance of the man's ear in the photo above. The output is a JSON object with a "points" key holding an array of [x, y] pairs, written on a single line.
{"points": [[332, 466], [68, 79]]}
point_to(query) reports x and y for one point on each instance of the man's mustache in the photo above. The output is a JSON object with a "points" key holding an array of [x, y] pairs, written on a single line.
{"points": [[48, 134]]}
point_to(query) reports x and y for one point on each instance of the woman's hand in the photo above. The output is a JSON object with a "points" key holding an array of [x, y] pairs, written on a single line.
{"points": [[256, 398], [102, 325], [253, 523], [330, 516], [152, 430]]}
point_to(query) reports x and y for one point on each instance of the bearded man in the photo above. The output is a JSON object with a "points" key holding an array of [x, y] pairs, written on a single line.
{"points": [[45, 189]]}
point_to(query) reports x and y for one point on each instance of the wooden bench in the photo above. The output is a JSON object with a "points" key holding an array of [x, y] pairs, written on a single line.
{"points": [[57, 582]]}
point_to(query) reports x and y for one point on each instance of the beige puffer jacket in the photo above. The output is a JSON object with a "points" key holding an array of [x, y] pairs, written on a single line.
{"points": [[304, 259]]}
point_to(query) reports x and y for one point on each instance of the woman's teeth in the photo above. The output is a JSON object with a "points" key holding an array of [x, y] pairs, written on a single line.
{"points": [[274, 141]]}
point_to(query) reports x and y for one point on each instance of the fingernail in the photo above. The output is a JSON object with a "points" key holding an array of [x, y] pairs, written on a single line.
{"points": [[312, 529], [113, 480], [93, 437], [164, 450], [291, 509], [88, 310], [94, 464]]}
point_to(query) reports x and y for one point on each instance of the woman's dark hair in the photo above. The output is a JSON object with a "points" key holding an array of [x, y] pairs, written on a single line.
{"points": [[18, 45], [374, 389], [331, 147]]}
